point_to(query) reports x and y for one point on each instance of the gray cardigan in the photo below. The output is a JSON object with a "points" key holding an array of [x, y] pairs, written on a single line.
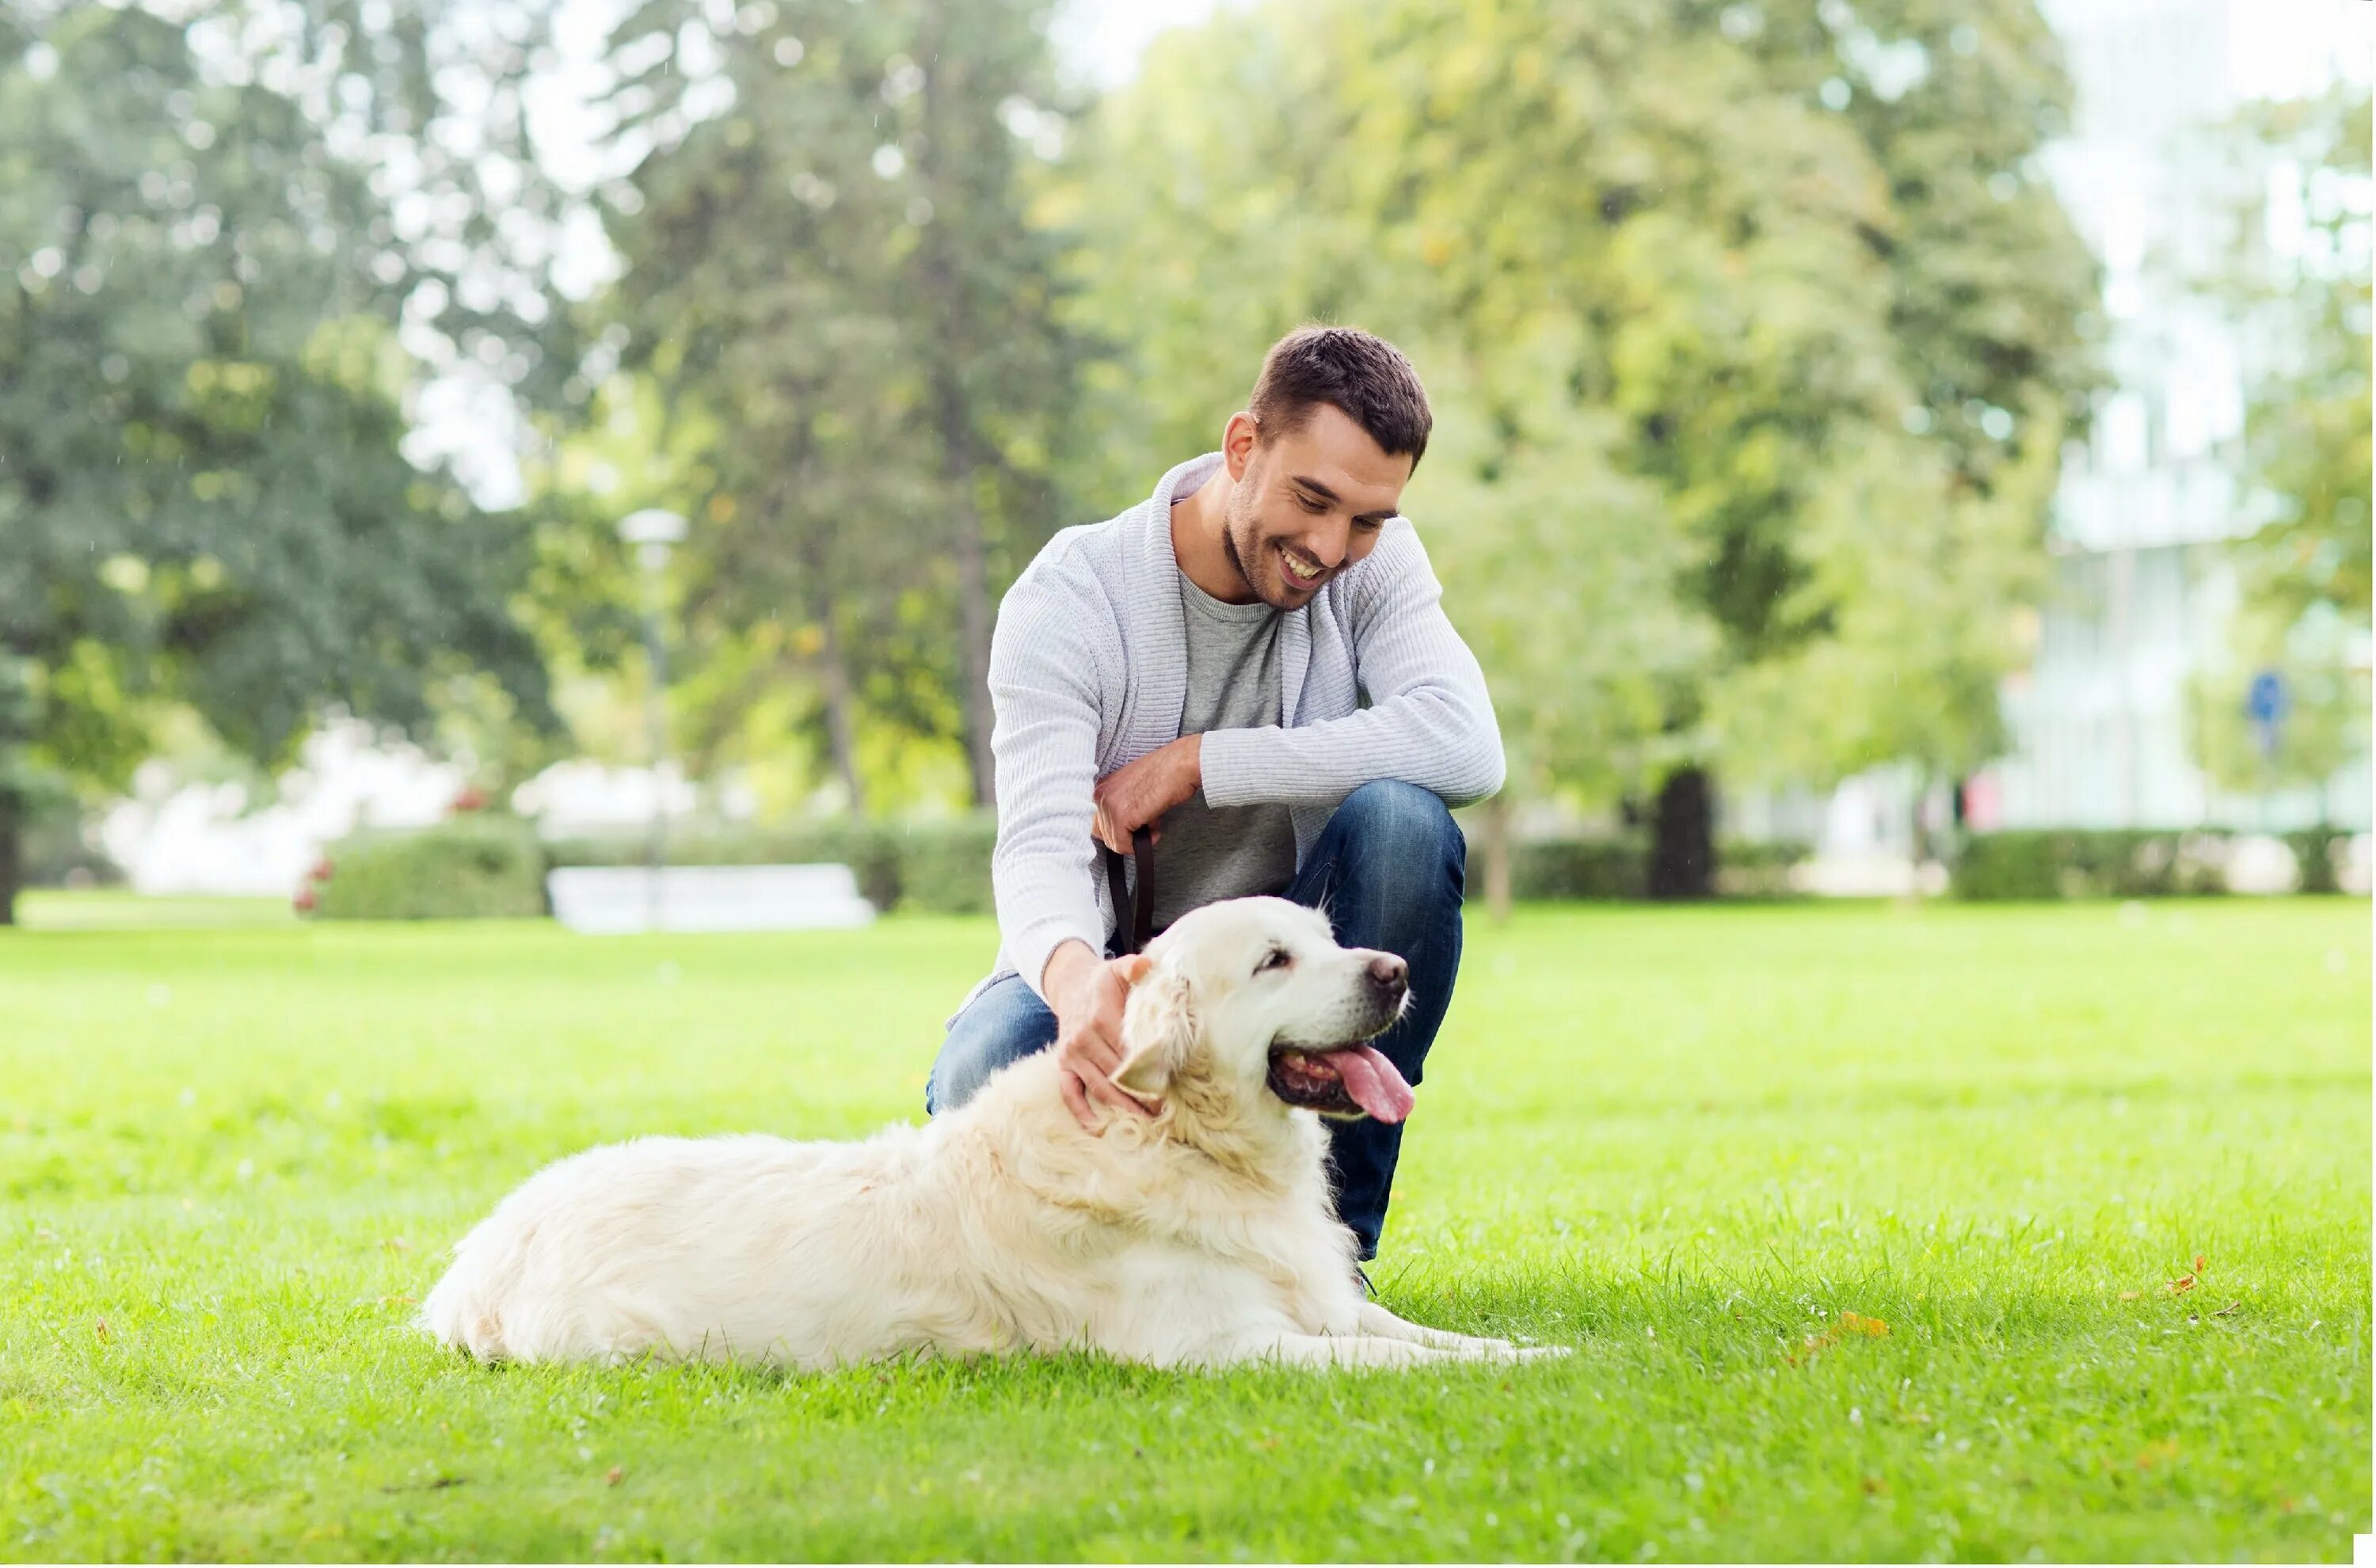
{"points": [[1089, 670]]}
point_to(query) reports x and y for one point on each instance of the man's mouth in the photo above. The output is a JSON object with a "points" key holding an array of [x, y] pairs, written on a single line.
{"points": [[1346, 1080], [1301, 570]]}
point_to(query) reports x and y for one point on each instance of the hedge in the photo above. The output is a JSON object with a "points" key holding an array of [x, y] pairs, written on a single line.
{"points": [[471, 867], [2092, 863], [495, 865]]}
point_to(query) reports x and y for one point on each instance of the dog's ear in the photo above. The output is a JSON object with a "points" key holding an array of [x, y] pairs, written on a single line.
{"points": [[1159, 1025]]}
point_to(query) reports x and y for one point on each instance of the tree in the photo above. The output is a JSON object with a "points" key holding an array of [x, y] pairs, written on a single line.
{"points": [[203, 501], [1690, 306], [828, 264], [2294, 276]]}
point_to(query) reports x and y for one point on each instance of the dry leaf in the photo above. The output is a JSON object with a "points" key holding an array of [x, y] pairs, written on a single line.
{"points": [[611, 1477], [1870, 1327], [2183, 1282], [2131, 1295], [2198, 1263], [103, 1328], [2229, 1307], [404, 1300], [396, 1243]]}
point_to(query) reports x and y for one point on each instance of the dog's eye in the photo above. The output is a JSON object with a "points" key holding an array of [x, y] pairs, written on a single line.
{"points": [[1276, 958]]}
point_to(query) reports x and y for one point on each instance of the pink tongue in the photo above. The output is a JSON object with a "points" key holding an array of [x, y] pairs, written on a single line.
{"points": [[1372, 1082]]}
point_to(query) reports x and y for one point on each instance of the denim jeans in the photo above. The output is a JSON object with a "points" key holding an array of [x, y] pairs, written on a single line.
{"points": [[1389, 868]]}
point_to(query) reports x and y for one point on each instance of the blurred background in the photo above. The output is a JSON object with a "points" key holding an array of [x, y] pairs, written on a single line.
{"points": [[1883, 446]]}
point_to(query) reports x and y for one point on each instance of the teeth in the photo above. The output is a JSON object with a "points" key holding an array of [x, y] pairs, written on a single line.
{"points": [[1298, 568]]}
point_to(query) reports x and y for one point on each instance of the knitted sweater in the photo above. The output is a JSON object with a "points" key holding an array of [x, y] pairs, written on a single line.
{"points": [[1088, 671]]}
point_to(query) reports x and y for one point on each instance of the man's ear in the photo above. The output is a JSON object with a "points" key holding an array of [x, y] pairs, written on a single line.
{"points": [[1158, 1027]]}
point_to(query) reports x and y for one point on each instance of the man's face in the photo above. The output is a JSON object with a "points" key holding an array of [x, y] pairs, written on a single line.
{"points": [[1304, 507]]}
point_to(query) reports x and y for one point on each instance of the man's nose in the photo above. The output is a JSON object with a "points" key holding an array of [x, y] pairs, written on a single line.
{"points": [[1388, 975]]}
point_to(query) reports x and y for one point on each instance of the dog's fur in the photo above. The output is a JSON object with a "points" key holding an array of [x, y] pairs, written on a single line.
{"points": [[1201, 1236]]}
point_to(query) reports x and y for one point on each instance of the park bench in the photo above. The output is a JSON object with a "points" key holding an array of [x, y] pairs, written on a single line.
{"points": [[611, 900]]}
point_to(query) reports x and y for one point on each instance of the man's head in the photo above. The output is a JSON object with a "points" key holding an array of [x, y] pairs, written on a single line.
{"points": [[1318, 459]]}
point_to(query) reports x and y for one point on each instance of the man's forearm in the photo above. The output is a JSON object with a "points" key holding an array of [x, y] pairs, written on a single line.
{"points": [[1072, 959]]}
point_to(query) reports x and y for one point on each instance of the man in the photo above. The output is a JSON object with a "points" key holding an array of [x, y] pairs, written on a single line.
{"points": [[1197, 665]]}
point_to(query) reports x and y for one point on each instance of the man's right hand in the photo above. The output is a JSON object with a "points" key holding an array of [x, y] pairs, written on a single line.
{"points": [[1088, 993]]}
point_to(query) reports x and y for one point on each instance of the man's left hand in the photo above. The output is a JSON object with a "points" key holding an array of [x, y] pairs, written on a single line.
{"points": [[1138, 793]]}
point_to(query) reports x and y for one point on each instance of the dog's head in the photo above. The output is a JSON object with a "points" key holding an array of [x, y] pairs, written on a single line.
{"points": [[1256, 994]]}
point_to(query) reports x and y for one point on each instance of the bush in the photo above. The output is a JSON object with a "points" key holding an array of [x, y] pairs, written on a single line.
{"points": [[2083, 864], [1597, 868], [471, 868], [2318, 851], [1744, 870]]}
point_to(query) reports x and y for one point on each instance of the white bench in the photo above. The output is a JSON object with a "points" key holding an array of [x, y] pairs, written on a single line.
{"points": [[611, 900]]}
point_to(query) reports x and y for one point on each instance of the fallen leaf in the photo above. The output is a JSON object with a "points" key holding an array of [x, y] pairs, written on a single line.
{"points": [[405, 1300], [2131, 1295], [2198, 1263], [1870, 1327], [611, 1477], [2157, 1453], [103, 1328], [2183, 1282], [1875, 1484], [2229, 1307], [396, 1243]]}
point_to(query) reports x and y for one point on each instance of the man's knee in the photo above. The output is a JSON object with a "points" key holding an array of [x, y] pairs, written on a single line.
{"points": [[1391, 823], [1005, 1024]]}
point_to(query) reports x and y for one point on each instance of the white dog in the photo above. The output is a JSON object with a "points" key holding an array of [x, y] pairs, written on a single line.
{"points": [[1201, 1236]]}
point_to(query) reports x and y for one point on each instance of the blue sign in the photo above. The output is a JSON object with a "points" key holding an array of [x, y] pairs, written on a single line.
{"points": [[2266, 704]]}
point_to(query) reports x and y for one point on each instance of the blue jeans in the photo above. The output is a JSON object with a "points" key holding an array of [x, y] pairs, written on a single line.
{"points": [[1389, 868]]}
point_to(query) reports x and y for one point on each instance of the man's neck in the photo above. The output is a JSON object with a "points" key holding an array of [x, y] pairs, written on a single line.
{"points": [[1199, 526]]}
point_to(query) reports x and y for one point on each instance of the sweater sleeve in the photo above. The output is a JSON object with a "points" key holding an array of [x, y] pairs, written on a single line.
{"points": [[1431, 721], [1044, 696]]}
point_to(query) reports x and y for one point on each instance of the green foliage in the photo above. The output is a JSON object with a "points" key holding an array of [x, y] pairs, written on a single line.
{"points": [[2083, 864], [2307, 314], [475, 867], [832, 292], [1684, 1140], [1749, 402], [204, 502]]}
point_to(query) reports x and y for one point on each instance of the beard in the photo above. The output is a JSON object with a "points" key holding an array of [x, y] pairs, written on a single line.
{"points": [[1256, 558]]}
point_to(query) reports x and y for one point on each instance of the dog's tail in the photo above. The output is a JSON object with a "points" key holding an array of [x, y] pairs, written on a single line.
{"points": [[465, 1311]]}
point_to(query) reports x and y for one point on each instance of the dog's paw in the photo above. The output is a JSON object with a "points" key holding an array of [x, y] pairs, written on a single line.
{"points": [[1544, 1352]]}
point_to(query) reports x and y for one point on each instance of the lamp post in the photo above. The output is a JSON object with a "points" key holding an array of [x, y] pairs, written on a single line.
{"points": [[652, 531]]}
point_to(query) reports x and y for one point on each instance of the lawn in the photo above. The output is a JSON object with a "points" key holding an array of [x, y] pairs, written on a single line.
{"points": [[1865, 1222]]}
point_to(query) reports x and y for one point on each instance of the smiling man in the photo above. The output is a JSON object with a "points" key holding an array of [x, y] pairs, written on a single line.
{"points": [[1255, 664]]}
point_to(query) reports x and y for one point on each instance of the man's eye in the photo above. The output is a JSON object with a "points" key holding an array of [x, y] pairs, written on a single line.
{"points": [[1275, 959], [1310, 505]]}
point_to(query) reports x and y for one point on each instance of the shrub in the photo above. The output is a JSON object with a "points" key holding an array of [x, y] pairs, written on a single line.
{"points": [[2091, 863], [472, 867]]}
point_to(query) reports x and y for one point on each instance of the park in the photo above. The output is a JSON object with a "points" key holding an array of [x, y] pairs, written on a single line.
{"points": [[1881, 1232], [1793, 576]]}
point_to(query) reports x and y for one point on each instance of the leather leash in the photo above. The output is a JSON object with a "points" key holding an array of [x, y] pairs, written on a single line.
{"points": [[1130, 934]]}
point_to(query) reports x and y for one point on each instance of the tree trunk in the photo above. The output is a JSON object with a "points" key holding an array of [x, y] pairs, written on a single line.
{"points": [[1497, 857], [957, 461], [12, 852], [1683, 849], [1917, 836], [839, 722]]}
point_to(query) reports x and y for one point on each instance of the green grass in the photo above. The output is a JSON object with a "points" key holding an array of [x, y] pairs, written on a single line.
{"points": [[1684, 1141]]}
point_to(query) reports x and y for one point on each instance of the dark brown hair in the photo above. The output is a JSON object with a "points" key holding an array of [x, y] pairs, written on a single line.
{"points": [[1365, 376]]}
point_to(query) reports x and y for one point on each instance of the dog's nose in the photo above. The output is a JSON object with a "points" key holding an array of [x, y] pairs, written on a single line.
{"points": [[1389, 974]]}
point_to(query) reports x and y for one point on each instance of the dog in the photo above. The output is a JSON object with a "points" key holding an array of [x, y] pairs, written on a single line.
{"points": [[1200, 1236]]}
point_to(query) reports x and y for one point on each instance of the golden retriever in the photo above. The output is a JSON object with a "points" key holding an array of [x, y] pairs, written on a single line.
{"points": [[1200, 1236]]}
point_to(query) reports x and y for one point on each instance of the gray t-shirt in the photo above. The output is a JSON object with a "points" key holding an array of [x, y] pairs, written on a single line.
{"points": [[1233, 683]]}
